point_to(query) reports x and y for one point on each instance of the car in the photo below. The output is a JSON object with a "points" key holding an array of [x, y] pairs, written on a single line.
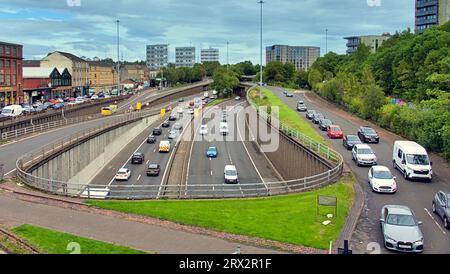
{"points": [[95, 97], [381, 180], [335, 132], [27, 109], [178, 127], [212, 152], [57, 106], [224, 129], [151, 139], [350, 141], [285, 92], [39, 109], [166, 124], [368, 135], [441, 207], [138, 159], [231, 175], [173, 117], [172, 135], [301, 106], [324, 124], [289, 95], [363, 155], [153, 170], [310, 114], [238, 98], [180, 110], [204, 130], [190, 111], [71, 103], [123, 174], [47, 105], [317, 117], [181, 100], [157, 131], [401, 230]]}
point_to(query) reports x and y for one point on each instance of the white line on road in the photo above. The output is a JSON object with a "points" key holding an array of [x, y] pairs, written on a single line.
{"points": [[139, 177], [434, 220], [9, 172]]}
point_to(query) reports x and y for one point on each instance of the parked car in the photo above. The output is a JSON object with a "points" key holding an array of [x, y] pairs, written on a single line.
{"points": [[204, 130], [27, 109], [12, 111], [57, 106], [381, 180], [301, 106], [138, 159], [350, 141], [363, 155], [317, 117], [441, 206], [324, 124], [412, 160], [153, 170], [335, 132], [401, 230], [95, 97], [310, 114], [181, 100], [238, 98], [151, 139], [166, 124], [231, 175], [368, 135], [212, 152], [47, 105], [123, 174], [157, 131]]}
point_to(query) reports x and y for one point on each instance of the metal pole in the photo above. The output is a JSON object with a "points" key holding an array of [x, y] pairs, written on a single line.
{"points": [[118, 58], [261, 2], [326, 41], [228, 55]]}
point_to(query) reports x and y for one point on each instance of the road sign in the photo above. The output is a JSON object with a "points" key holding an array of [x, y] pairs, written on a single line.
{"points": [[163, 112], [138, 106], [328, 201]]}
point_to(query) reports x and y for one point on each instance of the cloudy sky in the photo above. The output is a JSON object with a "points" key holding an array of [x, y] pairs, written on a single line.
{"points": [[87, 27]]}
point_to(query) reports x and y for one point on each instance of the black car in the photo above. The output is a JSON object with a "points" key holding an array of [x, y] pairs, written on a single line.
{"points": [[324, 124], [368, 135], [157, 131], [350, 141], [317, 117], [151, 139], [153, 170], [310, 114], [166, 124], [138, 158], [172, 118]]}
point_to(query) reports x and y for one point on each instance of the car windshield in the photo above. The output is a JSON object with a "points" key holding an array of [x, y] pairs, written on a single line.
{"points": [[326, 122], [122, 173], [353, 138], [153, 167], [212, 149], [401, 220], [417, 160], [335, 129], [230, 173], [383, 174], [369, 131], [365, 151]]}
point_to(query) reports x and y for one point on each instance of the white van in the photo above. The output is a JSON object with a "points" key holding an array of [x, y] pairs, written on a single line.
{"points": [[231, 175], [412, 160], [224, 130], [206, 95], [12, 111]]}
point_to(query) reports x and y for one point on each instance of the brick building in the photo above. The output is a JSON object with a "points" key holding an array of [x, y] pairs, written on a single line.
{"points": [[11, 79]]}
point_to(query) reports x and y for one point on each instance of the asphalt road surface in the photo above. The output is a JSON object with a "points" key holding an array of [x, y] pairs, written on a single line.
{"points": [[417, 195]]}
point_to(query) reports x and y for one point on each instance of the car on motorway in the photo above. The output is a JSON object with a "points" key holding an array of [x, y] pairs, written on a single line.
{"points": [[173, 117], [363, 155], [153, 170], [335, 132], [123, 174], [166, 124], [441, 207], [95, 97], [224, 130], [350, 141], [310, 114], [289, 95], [181, 100], [231, 175], [401, 230], [412, 160], [238, 98], [151, 139], [190, 111], [138, 159], [317, 117], [204, 130], [212, 152], [172, 135], [177, 126], [381, 180], [180, 110], [301, 106], [324, 124], [157, 131], [368, 135]]}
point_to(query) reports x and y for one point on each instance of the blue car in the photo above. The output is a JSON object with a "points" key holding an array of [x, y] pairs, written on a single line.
{"points": [[212, 152]]}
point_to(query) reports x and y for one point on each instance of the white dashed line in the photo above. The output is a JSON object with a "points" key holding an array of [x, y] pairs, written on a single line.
{"points": [[434, 220]]}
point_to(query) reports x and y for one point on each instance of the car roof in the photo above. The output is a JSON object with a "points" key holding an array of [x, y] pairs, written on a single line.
{"points": [[361, 146], [399, 209], [123, 170], [380, 168], [138, 154], [153, 166], [212, 148], [409, 147], [230, 167], [331, 126]]}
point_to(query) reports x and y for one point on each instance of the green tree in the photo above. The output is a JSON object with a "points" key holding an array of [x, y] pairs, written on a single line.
{"points": [[225, 81]]}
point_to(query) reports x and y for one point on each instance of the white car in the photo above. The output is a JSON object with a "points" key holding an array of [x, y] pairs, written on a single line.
{"points": [[190, 111], [180, 110], [95, 97], [173, 135], [231, 175], [363, 155], [204, 130], [123, 174], [381, 180]]}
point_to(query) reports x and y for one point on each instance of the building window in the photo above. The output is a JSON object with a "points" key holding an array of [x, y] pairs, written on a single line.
{"points": [[8, 80], [2, 80], [13, 80], [7, 64], [2, 48], [7, 50], [2, 64], [13, 64]]}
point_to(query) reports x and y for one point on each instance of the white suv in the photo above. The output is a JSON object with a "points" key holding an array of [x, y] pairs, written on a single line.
{"points": [[363, 155], [204, 130]]}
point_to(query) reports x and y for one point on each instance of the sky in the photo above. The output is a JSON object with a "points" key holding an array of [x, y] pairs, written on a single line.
{"points": [[88, 27]]}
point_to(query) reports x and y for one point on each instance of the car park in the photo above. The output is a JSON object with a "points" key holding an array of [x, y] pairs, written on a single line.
{"points": [[363, 155], [153, 170], [231, 175], [137, 158], [381, 180], [317, 117], [441, 207], [350, 141], [368, 135], [335, 132], [310, 114], [212, 152], [157, 131], [301, 106], [401, 230], [324, 124], [123, 174], [151, 139], [204, 130], [412, 160]]}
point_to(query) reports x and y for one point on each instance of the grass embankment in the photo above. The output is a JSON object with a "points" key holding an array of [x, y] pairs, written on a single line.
{"points": [[217, 102], [287, 115], [290, 219], [54, 242]]}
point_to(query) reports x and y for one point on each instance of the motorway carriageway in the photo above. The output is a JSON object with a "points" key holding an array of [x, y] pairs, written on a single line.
{"points": [[414, 194]]}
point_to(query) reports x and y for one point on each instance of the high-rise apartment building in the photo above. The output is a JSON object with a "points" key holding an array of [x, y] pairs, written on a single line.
{"points": [[373, 41], [301, 57], [157, 56], [209, 55], [431, 13], [185, 57]]}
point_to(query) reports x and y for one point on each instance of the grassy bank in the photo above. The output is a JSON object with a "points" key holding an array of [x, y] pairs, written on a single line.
{"points": [[54, 242], [290, 219], [287, 115], [217, 102]]}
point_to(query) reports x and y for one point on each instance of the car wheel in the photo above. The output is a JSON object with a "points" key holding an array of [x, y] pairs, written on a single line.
{"points": [[395, 165], [446, 223], [433, 207], [405, 175]]}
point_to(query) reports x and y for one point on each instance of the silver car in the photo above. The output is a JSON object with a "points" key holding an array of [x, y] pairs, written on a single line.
{"points": [[441, 206], [401, 230]]}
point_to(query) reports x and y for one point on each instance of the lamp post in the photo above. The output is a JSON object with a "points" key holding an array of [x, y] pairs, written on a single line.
{"points": [[261, 2], [118, 58], [326, 41]]}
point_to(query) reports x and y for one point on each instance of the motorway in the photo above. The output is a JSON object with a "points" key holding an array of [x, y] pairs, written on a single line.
{"points": [[417, 195]]}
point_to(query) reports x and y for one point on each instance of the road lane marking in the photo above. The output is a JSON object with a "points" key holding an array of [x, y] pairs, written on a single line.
{"points": [[9, 172], [139, 177], [148, 161], [434, 220]]}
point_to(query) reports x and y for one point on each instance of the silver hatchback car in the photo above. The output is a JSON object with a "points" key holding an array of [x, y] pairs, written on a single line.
{"points": [[401, 230]]}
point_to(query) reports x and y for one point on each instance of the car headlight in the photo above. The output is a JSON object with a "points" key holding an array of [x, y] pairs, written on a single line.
{"points": [[389, 239], [419, 242]]}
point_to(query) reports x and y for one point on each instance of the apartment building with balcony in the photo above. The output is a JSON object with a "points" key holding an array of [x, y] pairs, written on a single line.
{"points": [[300, 56], [431, 13]]}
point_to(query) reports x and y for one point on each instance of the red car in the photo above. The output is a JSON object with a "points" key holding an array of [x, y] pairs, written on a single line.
{"points": [[335, 132]]}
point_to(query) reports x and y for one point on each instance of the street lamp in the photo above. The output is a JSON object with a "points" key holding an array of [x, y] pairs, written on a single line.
{"points": [[261, 2], [326, 41], [118, 58]]}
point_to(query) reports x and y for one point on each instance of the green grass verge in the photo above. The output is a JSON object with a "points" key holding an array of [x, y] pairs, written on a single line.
{"points": [[287, 115], [10, 246], [290, 219], [217, 102], [54, 242]]}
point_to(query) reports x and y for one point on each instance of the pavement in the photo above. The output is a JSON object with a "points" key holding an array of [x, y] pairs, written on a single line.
{"points": [[417, 195]]}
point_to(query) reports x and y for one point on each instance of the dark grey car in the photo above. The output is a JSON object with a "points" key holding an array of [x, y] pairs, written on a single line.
{"points": [[441, 206], [317, 117], [324, 124]]}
